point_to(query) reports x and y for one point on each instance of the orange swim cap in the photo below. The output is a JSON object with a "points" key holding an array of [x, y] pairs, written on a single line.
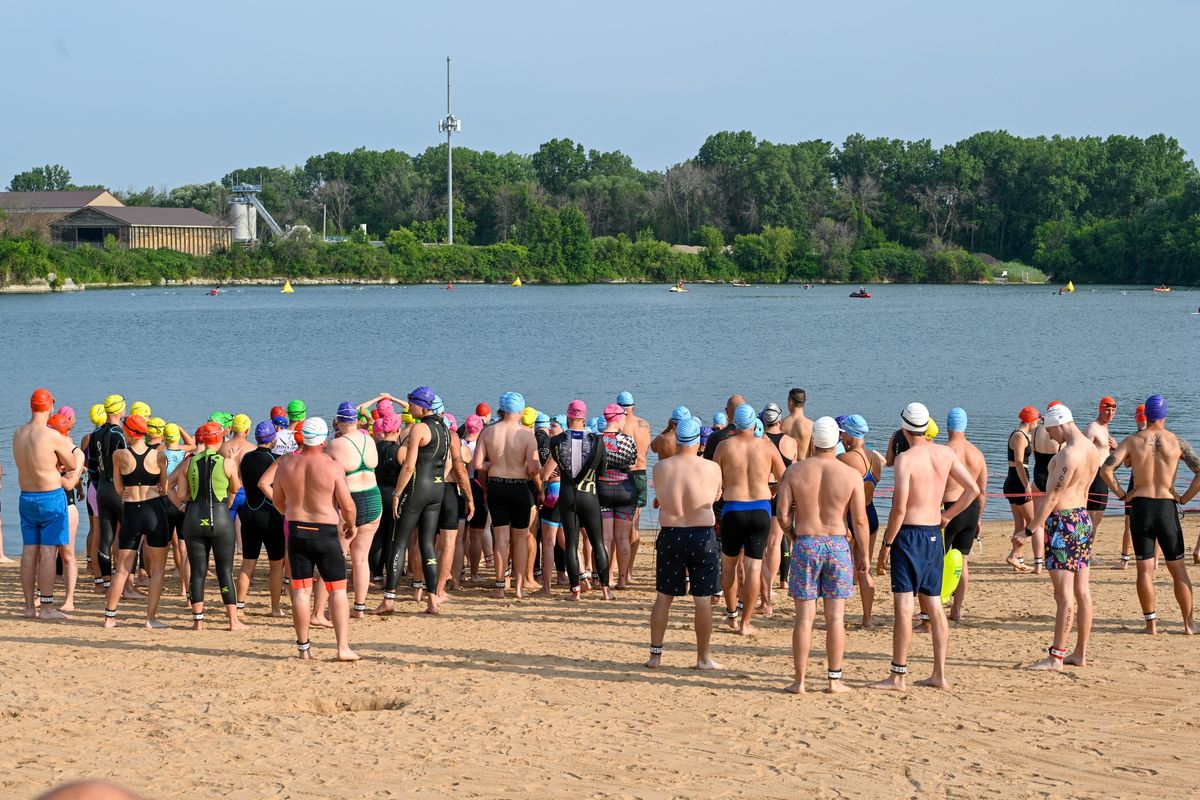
{"points": [[135, 426], [1139, 415], [1107, 401], [60, 423], [1054, 403], [41, 400], [210, 433], [1030, 414]]}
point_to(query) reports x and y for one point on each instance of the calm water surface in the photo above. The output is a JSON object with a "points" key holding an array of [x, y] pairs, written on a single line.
{"points": [[990, 349]]}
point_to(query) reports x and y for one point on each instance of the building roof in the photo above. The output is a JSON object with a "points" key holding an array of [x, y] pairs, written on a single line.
{"points": [[50, 201], [156, 217]]}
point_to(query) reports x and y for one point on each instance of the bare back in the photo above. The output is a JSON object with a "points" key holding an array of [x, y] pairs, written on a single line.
{"points": [[355, 452], [508, 449], [310, 486], [747, 465], [639, 429], [818, 493], [921, 473], [685, 488], [971, 458], [799, 427], [1071, 473], [42, 456], [1154, 455], [664, 445]]}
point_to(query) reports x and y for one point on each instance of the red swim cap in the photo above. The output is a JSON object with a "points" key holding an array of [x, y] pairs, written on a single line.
{"points": [[135, 426], [210, 433], [483, 410], [41, 400], [1139, 415], [278, 411], [1029, 414], [60, 423], [1107, 401], [1054, 403]]}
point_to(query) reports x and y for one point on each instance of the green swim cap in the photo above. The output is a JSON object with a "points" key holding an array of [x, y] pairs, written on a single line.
{"points": [[297, 410], [222, 418]]}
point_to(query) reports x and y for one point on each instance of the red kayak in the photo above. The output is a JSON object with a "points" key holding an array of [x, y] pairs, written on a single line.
{"points": [[860, 294]]}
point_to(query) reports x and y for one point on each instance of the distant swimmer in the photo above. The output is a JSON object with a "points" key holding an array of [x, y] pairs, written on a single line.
{"points": [[1067, 538], [816, 496], [1154, 454], [913, 536], [796, 425], [961, 531], [1017, 488], [45, 464], [868, 464], [355, 451], [310, 491], [664, 445], [688, 554]]}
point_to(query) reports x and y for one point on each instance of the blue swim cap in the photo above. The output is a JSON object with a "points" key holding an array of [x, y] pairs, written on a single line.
{"points": [[438, 406], [743, 417], [680, 413], [512, 403], [560, 420], [1156, 408], [840, 419], [758, 429], [264, 432], [346, 412], [687, 432], [956, 420], [280, 422], [719, 418], [542, 421], [855, 426], [625, 399], [422, 397]]}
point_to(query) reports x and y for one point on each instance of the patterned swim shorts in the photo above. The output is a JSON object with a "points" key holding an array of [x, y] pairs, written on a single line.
{"points": [[1069, 540], [821, 568]]}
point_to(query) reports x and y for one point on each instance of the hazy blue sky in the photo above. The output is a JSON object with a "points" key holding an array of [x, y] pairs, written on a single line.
{"points": [[131, 94]]}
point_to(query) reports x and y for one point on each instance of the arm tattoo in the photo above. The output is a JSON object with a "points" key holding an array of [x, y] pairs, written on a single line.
{"points": [[1188, 455], [1110, 461], [1062, 477]]}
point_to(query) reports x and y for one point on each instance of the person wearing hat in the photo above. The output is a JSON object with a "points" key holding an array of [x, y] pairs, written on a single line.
{"points": [[177, 443], [262, 524], [748, 465], [639, 429], [776, 552], [63, 421], [914, 539], [44, 460], [1061, 527], [1139, 419], [479, 539], [1154, 454], [1017, 488], [355, 451], [506, 453], [816, 498], [960, 532], [106, 440], [1044, 449], [869, 464], [232, 450], [1102, 438], [688, 554], [664, 444], [617, 490]]}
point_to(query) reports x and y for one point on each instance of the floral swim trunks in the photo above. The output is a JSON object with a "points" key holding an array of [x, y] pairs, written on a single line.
{"points": [[821, 568], [1069, 540]]}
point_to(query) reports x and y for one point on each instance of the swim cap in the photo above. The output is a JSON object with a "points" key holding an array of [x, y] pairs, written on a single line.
{"points": [[1030, 414], [743, 417], [141, 409], [1107, 402], [240, 423], [529, 416], [346, 412], [422, 397], [209, 433], [450, 420], [687, 432], [1139, 414], [680, 413], [771, 414], [560, 420], [385, 406], [296, 410], [59, 423], [512, 403], [825, 433], [1054, 403], [542, 422], [601, 424], [96, 414], [719, 418], [956, 420], [438, 406], [625, 399], [613, 411], [840, 419], [855, 426], [171, 433], [387, 423], [915, 418], [932, 431], [155, 425], [483, 410], [474, 423], [114, 404], [1156, 408], [41, 400], [705, 432], [278, 411], [576, 409], [222, 418], [408, 419], [265, 432], [135, 425], [314, 432], [280, 422], [1058, 415], [758, 429]]}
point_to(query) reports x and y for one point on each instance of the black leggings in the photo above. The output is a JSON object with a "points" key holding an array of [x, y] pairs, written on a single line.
{"points": [[207, 527], [583, 507], [111, 509], [381, 546], [420, 507]]}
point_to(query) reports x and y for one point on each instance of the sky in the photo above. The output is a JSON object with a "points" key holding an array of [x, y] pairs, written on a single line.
{"points": [[134, 94]]}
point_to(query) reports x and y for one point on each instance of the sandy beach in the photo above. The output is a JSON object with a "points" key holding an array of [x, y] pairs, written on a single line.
{"points": [[547, 698]]}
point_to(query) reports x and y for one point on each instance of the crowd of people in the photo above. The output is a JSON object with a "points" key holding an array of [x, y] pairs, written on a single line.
{"points": [[399, 487]]}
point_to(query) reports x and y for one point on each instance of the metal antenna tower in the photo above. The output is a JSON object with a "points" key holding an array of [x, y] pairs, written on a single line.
{"points": [[449, 126]]}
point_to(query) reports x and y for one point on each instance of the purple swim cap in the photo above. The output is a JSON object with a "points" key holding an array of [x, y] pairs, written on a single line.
{"points": [[264, 432], [422, 397], [347, 412], [1156, 408]]}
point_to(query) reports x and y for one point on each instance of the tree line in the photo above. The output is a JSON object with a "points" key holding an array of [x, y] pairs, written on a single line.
{"points": [[1112, 209]]}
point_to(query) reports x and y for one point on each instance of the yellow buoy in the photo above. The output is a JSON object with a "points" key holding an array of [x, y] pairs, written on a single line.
{"points": [[951, 574], [1070, 286], [287, 288], [517, 282]]}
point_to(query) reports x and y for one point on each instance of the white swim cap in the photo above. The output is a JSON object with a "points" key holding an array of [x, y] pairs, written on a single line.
{"points": [[1057, 415], [825, 433], [314, 431], [915, 418]]}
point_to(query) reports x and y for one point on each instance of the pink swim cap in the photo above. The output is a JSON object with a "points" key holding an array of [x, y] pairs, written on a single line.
{"points": [[385, 407], [67, 411], [451, 420], [613, 411], [577, 409], [388, 423], [474, 423]]}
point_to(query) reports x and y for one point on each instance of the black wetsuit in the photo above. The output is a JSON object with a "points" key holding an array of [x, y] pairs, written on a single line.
{"points": [[420, 507], [208, 526], [1041, 469], [577, 501], [106, 440], [146, 517], [262, 524], [710, 452], [1013, 487], [386, 474], [785, 555]]}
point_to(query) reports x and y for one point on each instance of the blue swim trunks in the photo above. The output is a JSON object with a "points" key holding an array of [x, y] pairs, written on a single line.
{"points": [[238, 499], [821, 567], [917, 560], [44, 518]]}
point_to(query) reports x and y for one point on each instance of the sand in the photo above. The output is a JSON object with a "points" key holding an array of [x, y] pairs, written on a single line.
{"points": [[543, 697]]}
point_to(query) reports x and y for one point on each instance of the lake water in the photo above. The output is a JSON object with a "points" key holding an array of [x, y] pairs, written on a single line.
{"points": [[989, 349]]}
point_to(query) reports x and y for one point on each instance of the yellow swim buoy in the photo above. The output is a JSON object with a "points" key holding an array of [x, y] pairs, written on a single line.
{"points": [[287, 288], [517, 282], [951, 574], [1070, 286]]}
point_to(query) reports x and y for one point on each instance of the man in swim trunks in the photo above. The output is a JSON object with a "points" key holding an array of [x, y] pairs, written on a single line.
{"points": [[356, 453], [664, 445], [718, 436], [1154, 454], [45, 465], [748, 465], [639, 429], [688, 552], [962, 531], [913, 537], [815, 498], [309, 489], [1105, 444], [506, 453], [1067, 537], [798, 426]]}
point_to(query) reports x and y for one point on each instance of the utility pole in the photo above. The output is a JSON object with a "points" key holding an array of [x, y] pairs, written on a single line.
{"points": [[450, 125]]}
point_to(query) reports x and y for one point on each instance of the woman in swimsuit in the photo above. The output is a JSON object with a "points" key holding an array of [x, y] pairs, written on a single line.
{"points": [[870, 465]]}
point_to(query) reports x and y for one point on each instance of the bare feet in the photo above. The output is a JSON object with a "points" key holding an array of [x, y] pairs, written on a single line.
{"points": [[386, 608], [954, 615], [1018, 564], [111, 622], [304, 655], [922, 627], [573, 596], [30, 613], [131, 594], [608, 594], [837, 687], [320, 622], [198, 625], [746, 630], [732, 620], [277, 613], [868, 625], [236, 624], [50, 614], [707, 665], [67, 606], [892, 683], [346, 654], [1151, 628], [1048, 664], [1076, 660], [654, 660], [935, 683], [795, 687], [153, 624], [433, 606], [768, 610], [498, 592]]}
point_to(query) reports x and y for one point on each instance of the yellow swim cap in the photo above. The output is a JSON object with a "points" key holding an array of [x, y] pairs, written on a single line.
{"points": [[96, 414], [140, 409], [114, 404], [932, 431], [529, 416], [170, 433], [241, 423], [407, 418], [155, 425]]}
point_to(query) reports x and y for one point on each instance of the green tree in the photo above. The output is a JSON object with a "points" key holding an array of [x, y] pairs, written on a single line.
{"points": [[558, 163], [48, 178]]}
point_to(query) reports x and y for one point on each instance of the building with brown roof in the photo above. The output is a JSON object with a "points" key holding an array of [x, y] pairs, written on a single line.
{"points": [[184, 229], [23, 211]]}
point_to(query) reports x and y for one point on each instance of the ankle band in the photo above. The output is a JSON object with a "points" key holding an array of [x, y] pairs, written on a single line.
{"points": [[418, 584], [656, 649], [899, 669], [197, 616], [304, 647], [1056, 653], [835, 674], [1153, 615], [389, 595], [110, 613], [46, 599], [360, 606]]}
